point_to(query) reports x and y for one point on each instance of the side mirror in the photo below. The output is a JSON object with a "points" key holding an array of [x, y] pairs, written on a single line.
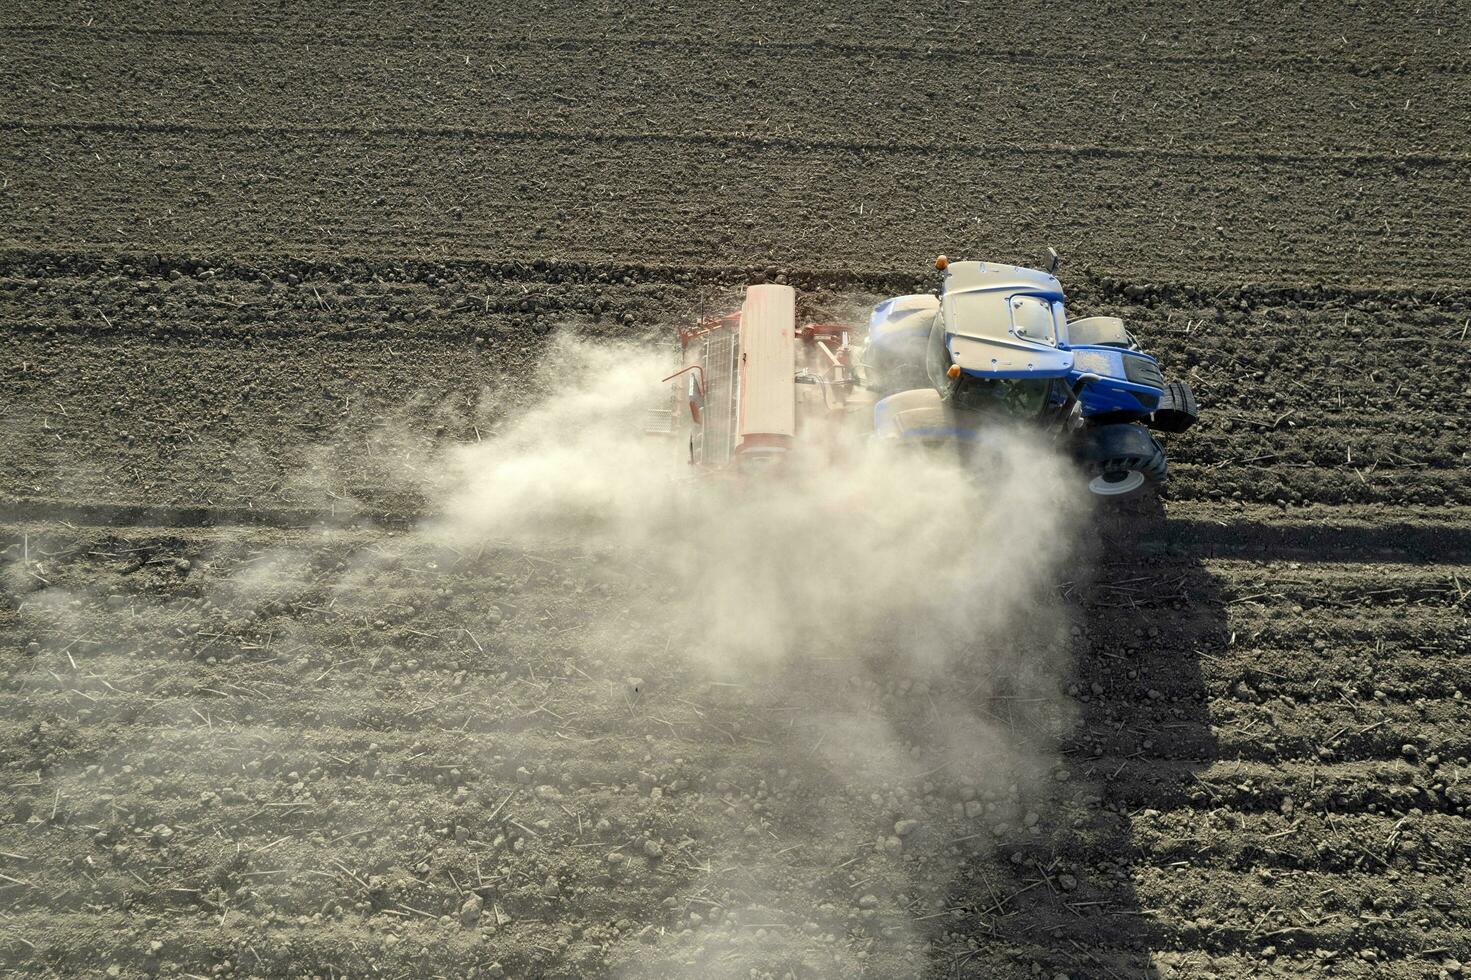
{"points": [[696, 399], [695, 390], [1051, 260]]}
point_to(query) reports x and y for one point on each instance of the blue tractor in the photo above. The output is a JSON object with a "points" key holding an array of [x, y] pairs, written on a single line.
{"points": [[995, 345]]}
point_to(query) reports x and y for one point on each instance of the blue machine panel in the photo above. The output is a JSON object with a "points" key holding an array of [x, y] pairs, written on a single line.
{"points": [[1131, 381]]}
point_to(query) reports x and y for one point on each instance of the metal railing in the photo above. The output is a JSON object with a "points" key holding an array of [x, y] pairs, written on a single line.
{"points": [[720, 355]]}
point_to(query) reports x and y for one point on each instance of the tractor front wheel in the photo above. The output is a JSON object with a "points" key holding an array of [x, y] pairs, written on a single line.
{"points": [[1121, 461]]}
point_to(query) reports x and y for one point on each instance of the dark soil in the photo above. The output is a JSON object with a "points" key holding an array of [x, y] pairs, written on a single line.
{"points": [[260, 264]]}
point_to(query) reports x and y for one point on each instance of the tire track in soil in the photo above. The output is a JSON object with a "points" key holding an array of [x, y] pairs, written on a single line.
{"points": [[518, 205], [909, 54], [1400, 35], [31, 268], [1345, 534], [950, 148], [207, 87]]}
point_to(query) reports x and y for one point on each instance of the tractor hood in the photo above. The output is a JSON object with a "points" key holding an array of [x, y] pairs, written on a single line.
{"points": [[1003, 321]]}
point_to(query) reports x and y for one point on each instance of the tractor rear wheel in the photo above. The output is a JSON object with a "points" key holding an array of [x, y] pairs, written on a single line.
{"points": [[1121, 461]]}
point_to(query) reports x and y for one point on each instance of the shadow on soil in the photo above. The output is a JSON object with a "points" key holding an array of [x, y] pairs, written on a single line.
{"points": [[1064, 901], [1148, 611]]}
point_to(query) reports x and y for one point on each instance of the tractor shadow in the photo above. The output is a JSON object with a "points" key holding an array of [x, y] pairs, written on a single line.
{"points": [[1062, 899], [1093, 893]]}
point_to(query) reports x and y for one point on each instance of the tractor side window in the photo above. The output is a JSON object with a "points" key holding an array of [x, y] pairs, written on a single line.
{"points": [[937, 357], [1019, 398]]}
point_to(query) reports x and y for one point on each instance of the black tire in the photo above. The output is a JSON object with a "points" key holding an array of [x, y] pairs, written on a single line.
{"points": [[1177, 410], [1121, 461]]}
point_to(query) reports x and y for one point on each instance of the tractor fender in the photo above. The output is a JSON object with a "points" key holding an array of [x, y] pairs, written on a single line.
{"points": [[921, 414], [897, 323]]}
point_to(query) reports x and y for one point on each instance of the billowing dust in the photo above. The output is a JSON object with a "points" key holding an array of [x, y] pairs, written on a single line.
{"points": [[875, 548], [816, 591], [871, 637]]}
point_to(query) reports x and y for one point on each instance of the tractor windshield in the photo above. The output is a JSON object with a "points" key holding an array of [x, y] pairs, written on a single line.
{"points": [[1018, 398]]}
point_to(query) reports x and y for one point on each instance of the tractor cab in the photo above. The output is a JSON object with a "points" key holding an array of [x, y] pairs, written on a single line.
{"points": [[990, 347], [1016, 398], [997, 338], [996, 346]]}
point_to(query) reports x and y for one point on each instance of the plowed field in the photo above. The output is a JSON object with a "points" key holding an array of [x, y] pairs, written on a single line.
{"points": [[263, 266]]}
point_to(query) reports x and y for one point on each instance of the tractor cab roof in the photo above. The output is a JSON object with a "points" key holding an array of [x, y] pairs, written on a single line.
{"points": [[1004, 321]]}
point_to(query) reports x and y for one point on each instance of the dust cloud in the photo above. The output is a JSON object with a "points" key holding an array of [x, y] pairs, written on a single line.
{"points": [[852, 631], [880, 599], [874, 541]]}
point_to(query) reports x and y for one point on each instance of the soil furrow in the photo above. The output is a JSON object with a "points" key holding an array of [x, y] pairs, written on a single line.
{"points": [[269, 274], [585, 138], [515, 207], [909, 54]]}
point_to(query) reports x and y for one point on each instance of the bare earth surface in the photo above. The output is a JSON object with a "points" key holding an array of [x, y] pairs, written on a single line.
{"points": [[260, 263]]}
